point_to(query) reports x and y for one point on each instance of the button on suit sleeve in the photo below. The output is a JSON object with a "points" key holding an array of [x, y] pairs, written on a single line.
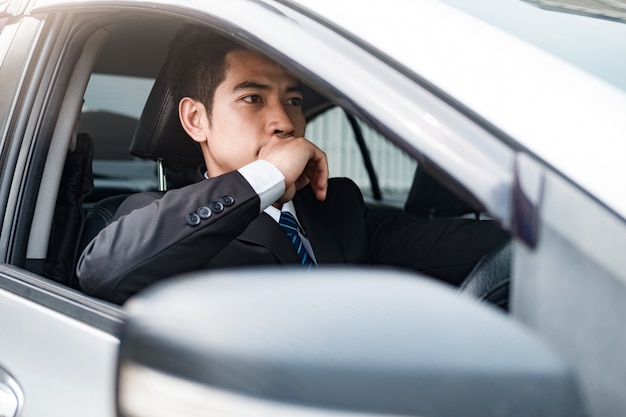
{"points": [[176, 233]]}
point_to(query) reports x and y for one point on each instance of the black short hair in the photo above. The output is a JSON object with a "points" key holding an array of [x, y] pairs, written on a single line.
{"points": [[197, 63]]}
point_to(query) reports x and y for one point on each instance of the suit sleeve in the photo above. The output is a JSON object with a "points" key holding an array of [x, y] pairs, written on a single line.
{"points": [[156, 238], [447, 249]]}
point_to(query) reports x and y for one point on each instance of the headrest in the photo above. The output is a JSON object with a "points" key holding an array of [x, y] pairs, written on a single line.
{"points": [[428, 197], [159, 134]]}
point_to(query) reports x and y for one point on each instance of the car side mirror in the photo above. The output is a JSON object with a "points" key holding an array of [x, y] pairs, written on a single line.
{"points": [[278, 342]]}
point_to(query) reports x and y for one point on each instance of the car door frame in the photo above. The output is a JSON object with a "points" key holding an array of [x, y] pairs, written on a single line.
{"points": [[51, 332], [476, 164], [486, 177], [503, 179], [473, 161]]}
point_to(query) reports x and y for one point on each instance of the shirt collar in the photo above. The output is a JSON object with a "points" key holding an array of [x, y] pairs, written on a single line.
{"points": [[274, 213]]}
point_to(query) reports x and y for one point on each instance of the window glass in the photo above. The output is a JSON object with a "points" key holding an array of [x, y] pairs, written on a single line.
{"points": [[334, 135], [332, 132], [120, 94], [112, 107]]}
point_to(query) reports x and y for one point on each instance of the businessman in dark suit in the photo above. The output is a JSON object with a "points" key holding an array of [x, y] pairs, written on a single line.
{"points": [[245, 112]]}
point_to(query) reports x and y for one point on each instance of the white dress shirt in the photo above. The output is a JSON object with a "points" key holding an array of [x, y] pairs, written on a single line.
{"points": [[269, 183]]}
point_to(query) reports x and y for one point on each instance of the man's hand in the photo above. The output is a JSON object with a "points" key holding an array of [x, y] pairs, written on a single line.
{"points": [[301, 162]]}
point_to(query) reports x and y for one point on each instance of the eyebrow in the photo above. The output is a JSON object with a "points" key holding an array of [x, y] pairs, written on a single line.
{"points": [[264, 87]]}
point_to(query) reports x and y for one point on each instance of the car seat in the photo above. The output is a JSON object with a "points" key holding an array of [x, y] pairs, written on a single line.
{"points": [[68, 221], [159, 136], [428, 198]]}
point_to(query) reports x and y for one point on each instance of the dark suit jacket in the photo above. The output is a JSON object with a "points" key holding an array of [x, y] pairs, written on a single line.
{"points": [[153, 239]]}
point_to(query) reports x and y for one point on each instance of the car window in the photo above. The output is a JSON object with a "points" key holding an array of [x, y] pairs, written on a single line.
{"points": [[393, 169], [111, 109], [120, 94]]}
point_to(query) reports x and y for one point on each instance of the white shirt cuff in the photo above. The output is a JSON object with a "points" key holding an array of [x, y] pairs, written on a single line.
{"points": [[266, 180]]}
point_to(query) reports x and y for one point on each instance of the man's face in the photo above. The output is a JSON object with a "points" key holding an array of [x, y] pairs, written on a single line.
{"points": [[258, 101]]}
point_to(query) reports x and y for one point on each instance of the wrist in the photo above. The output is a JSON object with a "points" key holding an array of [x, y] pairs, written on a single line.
{"points": [[266, 180]]}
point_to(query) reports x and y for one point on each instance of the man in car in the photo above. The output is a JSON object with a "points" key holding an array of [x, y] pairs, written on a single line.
{"points": [[245, 112]]}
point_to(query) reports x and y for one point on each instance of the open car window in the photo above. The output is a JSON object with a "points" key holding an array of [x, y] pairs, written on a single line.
{"points": [[112, 106], [382, 171], [116, 86]]}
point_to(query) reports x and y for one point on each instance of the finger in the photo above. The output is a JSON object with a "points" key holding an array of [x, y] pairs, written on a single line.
{"points": [[302, 182], [317, 173]]}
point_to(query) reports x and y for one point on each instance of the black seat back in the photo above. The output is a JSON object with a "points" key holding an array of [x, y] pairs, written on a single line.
{"points": [[99, 216], [159, 136], [68, 220], [428, 198]]}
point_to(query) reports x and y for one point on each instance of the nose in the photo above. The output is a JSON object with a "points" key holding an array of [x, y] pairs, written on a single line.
{"points": [[279, 122]]}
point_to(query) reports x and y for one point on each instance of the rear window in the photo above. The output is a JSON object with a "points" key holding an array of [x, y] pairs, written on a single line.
{"points": [[111, 110], [113, 104]]}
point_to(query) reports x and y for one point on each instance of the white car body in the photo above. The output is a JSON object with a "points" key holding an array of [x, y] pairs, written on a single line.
{"points": [[506, 120]]}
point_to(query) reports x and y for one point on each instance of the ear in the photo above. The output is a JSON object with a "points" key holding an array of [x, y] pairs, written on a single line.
{"points": [[194, 119]]}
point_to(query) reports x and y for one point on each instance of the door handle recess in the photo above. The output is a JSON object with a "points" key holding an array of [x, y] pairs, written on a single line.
{"points": [[11, 396]]}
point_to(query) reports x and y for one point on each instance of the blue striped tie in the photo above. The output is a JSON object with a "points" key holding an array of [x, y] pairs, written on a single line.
{"points": [[290, 226]]}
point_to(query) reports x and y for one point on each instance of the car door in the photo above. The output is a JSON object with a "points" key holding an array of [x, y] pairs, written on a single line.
{"points": [[565, 204], [55, 332], [61, 345], [58, 348]]}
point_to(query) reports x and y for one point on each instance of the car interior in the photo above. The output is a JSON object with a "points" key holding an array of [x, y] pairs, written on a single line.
{"points": [[82, 130], [112, 155]]}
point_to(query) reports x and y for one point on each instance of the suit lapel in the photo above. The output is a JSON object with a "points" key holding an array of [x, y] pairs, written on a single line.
{"points": [[264, 231], [324, 243]]}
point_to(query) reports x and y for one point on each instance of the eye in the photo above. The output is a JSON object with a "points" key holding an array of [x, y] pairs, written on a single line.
{"points": [[253, 98], [295, 101]]}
